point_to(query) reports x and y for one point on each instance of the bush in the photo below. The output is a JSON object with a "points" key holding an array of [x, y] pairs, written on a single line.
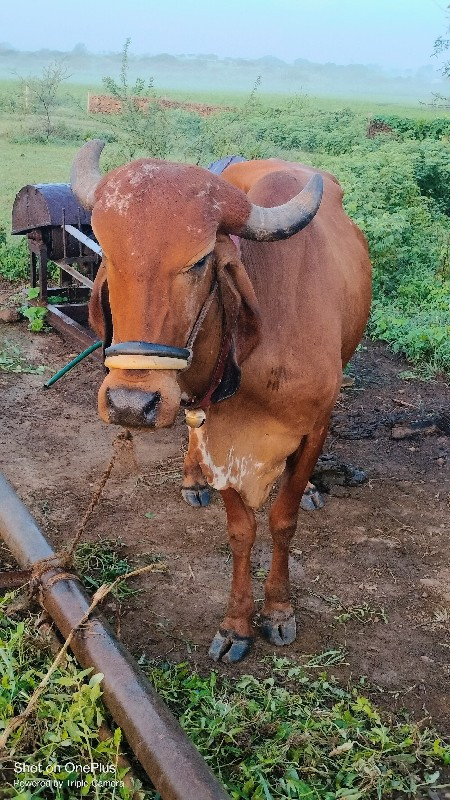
{"points": [[256, 131], [141, 130], [14, 258], [432, 171], [37, 134], [107, 136], [421, 333], [409, 242], [420, 129]]}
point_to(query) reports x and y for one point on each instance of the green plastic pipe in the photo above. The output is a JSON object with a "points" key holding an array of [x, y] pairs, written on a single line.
{"points": [[72, 364]]}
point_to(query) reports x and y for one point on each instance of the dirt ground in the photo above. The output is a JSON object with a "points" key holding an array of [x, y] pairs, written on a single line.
{"points": [[384, 544]]}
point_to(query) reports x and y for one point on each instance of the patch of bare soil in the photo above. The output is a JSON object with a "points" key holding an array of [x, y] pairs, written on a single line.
{"points": [[370, 571]]}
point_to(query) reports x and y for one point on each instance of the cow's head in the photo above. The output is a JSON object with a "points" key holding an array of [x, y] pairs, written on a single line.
{"points": [[164, 231]]}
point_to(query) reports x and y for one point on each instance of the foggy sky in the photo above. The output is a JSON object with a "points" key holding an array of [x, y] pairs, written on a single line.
{"points": [[392, 33]]}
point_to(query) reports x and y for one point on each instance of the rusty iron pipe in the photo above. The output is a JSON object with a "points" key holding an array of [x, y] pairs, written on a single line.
{"points": [[14, 579], [171, 761]]}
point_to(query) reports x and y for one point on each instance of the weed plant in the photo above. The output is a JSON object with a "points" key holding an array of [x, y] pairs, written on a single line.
{"points": [[14, 257], [12, 360], [35, 314], [64, 731]]}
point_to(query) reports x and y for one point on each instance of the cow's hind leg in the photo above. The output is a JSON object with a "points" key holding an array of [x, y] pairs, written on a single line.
{"points": [[194, 489], [312, 499], [234, 637], [278, 623]]}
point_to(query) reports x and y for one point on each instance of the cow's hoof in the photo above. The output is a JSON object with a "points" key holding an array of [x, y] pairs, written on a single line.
{"points": [[197, 496], [311, 500], [228, 646], [277, 630]]}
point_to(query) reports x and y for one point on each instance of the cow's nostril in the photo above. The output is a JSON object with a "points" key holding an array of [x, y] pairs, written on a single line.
{"points": [[132, 408], [150, 407]]}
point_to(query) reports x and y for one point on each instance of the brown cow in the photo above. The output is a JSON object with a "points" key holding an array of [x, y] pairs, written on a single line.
{"points": [[190, 314]]}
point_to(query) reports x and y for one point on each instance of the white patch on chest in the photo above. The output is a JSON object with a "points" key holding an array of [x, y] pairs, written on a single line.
{"points": [[236, 471]]}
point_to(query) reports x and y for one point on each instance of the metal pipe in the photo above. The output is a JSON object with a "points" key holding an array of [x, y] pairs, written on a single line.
{"points": [[171, 761], [14, 579], [83, 238], [72, 364]]}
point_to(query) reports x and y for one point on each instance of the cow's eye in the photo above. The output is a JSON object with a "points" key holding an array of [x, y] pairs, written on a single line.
{"points": [[199, 266]]}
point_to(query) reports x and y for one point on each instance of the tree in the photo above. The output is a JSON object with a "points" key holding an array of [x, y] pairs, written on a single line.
{"points": [[42, 93], [441, 45], [141, 122]]}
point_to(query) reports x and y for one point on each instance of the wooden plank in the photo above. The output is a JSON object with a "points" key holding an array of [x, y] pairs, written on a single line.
{"points": [[75, 274], [64, 324], [77, 311]]}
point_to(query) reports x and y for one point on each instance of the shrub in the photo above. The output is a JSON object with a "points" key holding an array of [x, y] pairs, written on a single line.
{"points": [[14, 258], [38, 134], [432, 172], [409, 128], [399, 209]]}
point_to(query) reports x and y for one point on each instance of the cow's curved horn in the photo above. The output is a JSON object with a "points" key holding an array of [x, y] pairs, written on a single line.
{"points": [[280, 222], [85, 173]]}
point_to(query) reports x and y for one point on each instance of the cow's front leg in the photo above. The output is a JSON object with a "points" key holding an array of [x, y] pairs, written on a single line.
{"points": [[234, 637], [194, 489], [278, 623]]}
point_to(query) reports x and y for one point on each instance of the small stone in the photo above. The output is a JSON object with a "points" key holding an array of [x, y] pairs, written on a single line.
{"points": [[440, 462], [8, 315]]}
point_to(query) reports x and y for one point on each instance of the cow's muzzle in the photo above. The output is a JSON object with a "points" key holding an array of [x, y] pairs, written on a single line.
{"points": [[132, 408]]}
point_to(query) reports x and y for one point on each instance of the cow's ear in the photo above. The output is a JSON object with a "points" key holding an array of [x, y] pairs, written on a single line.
{"points": [[240, 303], [100, 318]]}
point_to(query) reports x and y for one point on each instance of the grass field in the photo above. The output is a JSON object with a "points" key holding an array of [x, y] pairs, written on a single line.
{"points": [[27, 162], [396, 185]]}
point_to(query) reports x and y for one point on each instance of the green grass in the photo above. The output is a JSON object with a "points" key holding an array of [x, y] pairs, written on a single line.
{"points": [[105, 560], [64, 729], [364, 613], [297, 733], [293, 732], [12, 360]]}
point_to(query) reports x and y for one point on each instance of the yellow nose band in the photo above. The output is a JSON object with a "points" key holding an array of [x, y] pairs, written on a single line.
{"points": [[128, 361]]}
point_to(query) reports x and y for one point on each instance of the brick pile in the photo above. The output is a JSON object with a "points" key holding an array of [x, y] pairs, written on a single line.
{"points": [[104, 104]]}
